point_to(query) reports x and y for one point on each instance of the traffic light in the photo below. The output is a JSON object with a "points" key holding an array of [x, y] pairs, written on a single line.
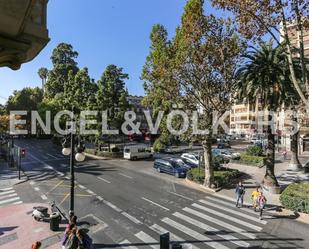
{"points": [[23, 152]]}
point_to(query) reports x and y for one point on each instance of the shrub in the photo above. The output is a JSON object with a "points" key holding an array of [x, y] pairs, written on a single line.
{"points": [[296, 197], [158, 146], [252, 160], [115, 149], [221, 177], [254, 151]]}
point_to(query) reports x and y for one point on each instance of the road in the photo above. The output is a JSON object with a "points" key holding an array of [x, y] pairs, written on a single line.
{"points": [[128, 205]]}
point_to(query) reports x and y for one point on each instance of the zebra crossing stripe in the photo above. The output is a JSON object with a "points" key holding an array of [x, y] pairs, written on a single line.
{"points": [[6, 189], [9, 200], [18, 202], [174, 238], [7, 196], [126, 244], [220, 223], [194, 234], [228, 217], [228, 210], [212, 230], [148, 240], [7, 192]]}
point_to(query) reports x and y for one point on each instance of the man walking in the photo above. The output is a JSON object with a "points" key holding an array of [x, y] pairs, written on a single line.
{"points": [[240, 192], [261, 202]]}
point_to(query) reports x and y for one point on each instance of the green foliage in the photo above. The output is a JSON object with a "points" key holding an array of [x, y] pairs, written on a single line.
{"points": [[252, 160], [221, 177], [254, 151], [158, 146], [296, 197]]}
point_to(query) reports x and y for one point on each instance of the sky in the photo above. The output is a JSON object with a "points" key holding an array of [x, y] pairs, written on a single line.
{"points": [[103, 32]]}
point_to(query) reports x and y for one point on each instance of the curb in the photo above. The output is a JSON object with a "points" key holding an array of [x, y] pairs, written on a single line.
{"points": [[96, 157], [196, 185]]}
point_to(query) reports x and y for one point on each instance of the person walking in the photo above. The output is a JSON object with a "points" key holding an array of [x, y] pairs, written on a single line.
{"points": [[254, 196], [240, 192], [36, 245], [284, 154], [72, 241], [261, 202], [85, 242]]}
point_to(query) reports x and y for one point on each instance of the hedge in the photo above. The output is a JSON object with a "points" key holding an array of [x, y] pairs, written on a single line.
{"points": [[221, 177], [254, 151], [296, 197], [252, 160]]}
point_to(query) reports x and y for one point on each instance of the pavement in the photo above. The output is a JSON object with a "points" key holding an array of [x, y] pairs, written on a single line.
{"points": [[128, 205], [9, 176]]}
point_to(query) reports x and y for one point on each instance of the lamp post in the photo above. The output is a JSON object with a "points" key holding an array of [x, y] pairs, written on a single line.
{"points": [[75, 153]]}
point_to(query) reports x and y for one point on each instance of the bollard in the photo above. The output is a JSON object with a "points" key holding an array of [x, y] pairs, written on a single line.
{"points": [[165, 241]]}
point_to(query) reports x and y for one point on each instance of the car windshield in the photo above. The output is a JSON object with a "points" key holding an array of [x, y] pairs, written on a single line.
{"points": [[178, 163]]}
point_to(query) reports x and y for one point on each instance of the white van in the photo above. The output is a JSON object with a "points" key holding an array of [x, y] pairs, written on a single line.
{"points": [[139, 151]]}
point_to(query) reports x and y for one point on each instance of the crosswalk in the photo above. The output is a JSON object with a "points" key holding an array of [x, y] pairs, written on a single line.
{"points": [[8, 196], [212, 222]]}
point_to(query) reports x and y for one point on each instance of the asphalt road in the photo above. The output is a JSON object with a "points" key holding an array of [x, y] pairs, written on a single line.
{"points": [[128, 205]]}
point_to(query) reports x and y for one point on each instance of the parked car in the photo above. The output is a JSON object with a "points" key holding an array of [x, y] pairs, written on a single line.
{"points": [[218, 153], [191, 158], [171, 166], [174, 149], [224, 145], [139, 151], [229, 154]]}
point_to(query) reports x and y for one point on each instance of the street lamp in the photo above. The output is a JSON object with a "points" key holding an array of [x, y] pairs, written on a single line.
{"points": [[76, 153]]}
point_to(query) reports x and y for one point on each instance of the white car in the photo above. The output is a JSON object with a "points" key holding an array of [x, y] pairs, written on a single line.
{"points": [[191, 158]]}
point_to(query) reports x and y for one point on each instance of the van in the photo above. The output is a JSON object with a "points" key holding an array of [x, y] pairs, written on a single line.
{"points": [[134, 152]]}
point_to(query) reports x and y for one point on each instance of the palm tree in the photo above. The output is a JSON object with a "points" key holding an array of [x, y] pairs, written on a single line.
{"points": [[263, 76], [43, 72]]}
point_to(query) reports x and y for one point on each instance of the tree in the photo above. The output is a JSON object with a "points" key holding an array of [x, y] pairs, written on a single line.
{"points": [[263, 77], [43, 73], [63, 60], [258, 17]]}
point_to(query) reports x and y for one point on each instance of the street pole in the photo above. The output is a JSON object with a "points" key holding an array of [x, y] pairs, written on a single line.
{"points": [[72, 172], [19, 163]]}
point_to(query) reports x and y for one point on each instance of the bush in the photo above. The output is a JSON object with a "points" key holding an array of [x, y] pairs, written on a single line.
{"points": [[296, 197], [254, 151], [115, 149], [158, 146], [252, 160], [221, 177]]}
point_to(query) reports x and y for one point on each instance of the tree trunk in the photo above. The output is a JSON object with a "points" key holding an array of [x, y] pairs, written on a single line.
{"points": [[294, 163], [209, 172], [270, 178]]}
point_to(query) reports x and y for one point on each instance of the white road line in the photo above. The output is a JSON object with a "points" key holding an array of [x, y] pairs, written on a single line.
{"points": [[9, 200], [220, 223], [32, 183], [18, 202], [7, 192], [228, 210], [68, 178], [44, 197], [6, 189], [111, 205], [90, 192], [230, 204], [104, 180], [212, 230], [52, 156], [81, 186], [174, 238], [130, 217], [230, 199], [126, 244], [130, 177], [228, 217], [7, 196], [100, 198], [36, 189], [193, 234], [154, 203], [148, 240], [182, 196]]}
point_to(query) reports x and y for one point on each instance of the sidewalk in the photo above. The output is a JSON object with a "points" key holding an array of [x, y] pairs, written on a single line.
{"points": [[19, 230], [9, 177]]}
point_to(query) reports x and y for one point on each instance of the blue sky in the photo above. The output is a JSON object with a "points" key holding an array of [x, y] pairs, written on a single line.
{"points": [[103, 32]]}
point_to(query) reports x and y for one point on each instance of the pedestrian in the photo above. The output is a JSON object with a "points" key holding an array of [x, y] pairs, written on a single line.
{"points": [[66, 234], [72, 241], [240, 192], [85, 242], [254, 196], [261, 202], [36, 245], [284, 154]]}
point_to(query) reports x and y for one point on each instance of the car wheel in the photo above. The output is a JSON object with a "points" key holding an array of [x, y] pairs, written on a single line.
{"points": [[159, 170], [177, 174]]}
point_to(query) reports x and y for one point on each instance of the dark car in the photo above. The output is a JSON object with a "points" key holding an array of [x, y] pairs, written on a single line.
{"points": [[171, 166]]}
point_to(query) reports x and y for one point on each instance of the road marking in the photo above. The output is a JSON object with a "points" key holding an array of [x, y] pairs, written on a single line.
{"points": [[17, 203], [174, 238], [130, 217], [90, 192], [6, 189], [52, 156], [100, 198], [68, 178], [230, 199], [104, 180], [81, 186], [111, 205], [7, 196], [130, 177], [9, 200], [182, 196], [56, 186], [7, 192], [59, 173], [194, 234], [148, 240], [32, 183], [215, 231], [64, 198], [126, 245], [228, 217], [220, 223], [154, 203], [44, 197], [36, 189], [228, 210]]}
